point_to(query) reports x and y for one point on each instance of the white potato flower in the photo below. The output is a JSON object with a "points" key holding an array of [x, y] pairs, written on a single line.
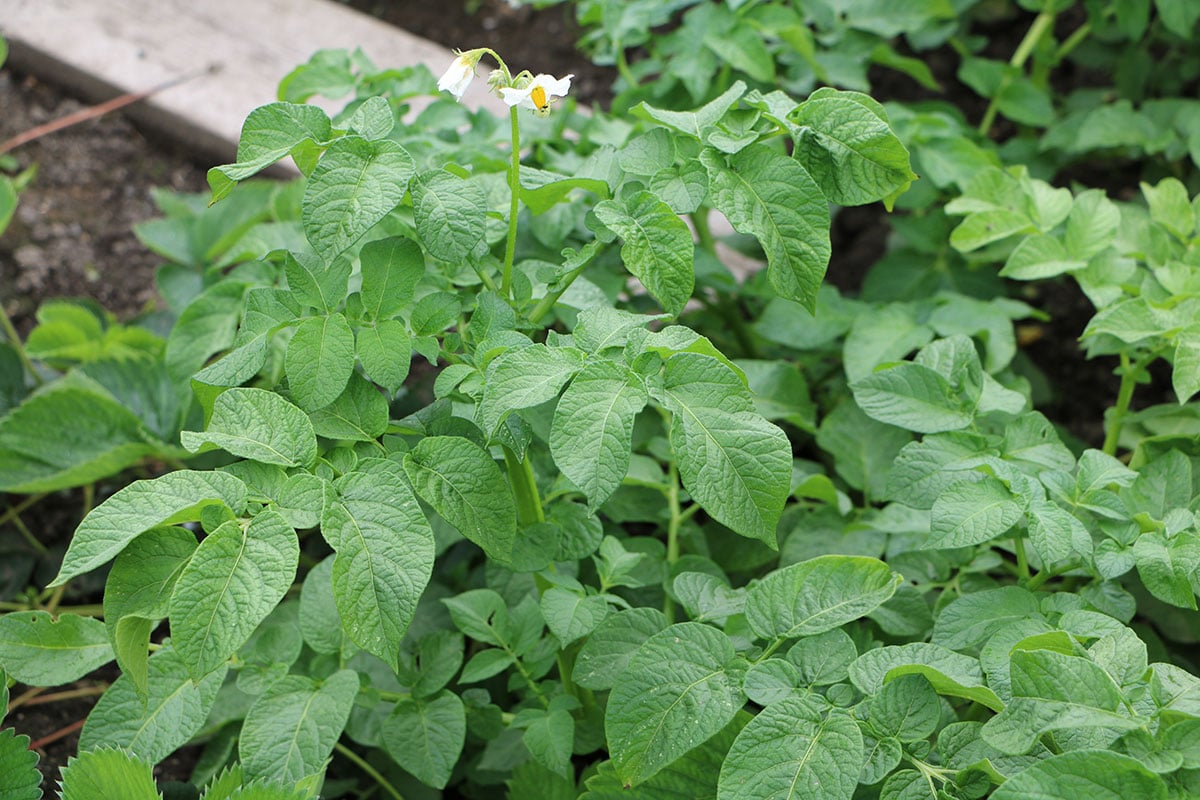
{"points": [[538, 94], [459, 75]]}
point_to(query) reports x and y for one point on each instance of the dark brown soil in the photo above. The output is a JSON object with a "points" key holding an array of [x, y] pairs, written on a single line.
{"points": [[72, 232]]}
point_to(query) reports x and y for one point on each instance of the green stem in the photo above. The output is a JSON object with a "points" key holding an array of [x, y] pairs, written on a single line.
{"points": [[361, 763], [11, 334], [1071, 42], [546, 303], [1130, 372], [1043, 23], [514, 187], [525, 491], [672, 533], [1022, 558], [1037, 580], [704, 235], [623, 67]]}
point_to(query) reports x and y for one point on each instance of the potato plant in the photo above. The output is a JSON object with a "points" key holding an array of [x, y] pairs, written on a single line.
{"points": [[494, 479]]}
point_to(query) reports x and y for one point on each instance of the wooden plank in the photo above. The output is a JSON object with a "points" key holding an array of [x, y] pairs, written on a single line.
{"points": [[101, 48]]}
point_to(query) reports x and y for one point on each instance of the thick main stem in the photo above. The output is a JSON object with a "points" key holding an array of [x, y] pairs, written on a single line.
{"points": [[514, 186], [672, 533], [524, 486]]}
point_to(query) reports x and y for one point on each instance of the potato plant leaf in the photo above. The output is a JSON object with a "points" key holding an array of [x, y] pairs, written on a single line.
{"points": [[292, 727], [258, 425], [384, 557], [41, 650], [234, 579], [733, 462], [592, 427], [818, 595], [772, 197], [153, 724], [678, 691], [174, 497], [794, 749], [355, 184], [464, 485]]}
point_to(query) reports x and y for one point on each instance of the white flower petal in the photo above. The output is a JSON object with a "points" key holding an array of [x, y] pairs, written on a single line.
{"points": [[517, 96]]}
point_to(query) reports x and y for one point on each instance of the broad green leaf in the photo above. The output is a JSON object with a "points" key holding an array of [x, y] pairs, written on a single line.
{"points": [[1185, 372], [40, 650], [914, 397], [450, 213], [292, 727], [313, 282], [794, 750], [863, 450], [906, 708], [426, 736], [676, 693], [818, 595], [771, 197], [319, 360], [656, 246], [320, 622], [550, 737], [258, 425], [571, 616], [435, 661], [1170, 206], [38, 453], [233, 581], [707, 597], [693, 123], [1167, 566], [950, 673], [523, 378], [733, 462], [1091, 225], [823, 659], [385, 352], [174, 497], [485, 664], [971, 619], [590, 437], [18, 767], [693, 776], [1038, 257], [771, 680], [610, 648], [138, 591], [970, 513], [1053, 691], [111, 774], [924, 469], [1094, 774], [482, 615], [542, 190], [153, 725], [355, 185], [206, 327], [385, 551], [390, 270], [464, 485], [270, 133], [360, 414], [849, 149]]}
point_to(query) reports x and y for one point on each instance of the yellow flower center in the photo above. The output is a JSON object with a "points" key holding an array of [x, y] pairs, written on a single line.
{"points": [[538, 96]]}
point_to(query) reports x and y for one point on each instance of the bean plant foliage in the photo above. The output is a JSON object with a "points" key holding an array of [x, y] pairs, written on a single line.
{"points": [[493, 480]]}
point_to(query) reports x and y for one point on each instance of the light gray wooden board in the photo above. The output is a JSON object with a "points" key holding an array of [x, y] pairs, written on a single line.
{"points": [[102, 48]]}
